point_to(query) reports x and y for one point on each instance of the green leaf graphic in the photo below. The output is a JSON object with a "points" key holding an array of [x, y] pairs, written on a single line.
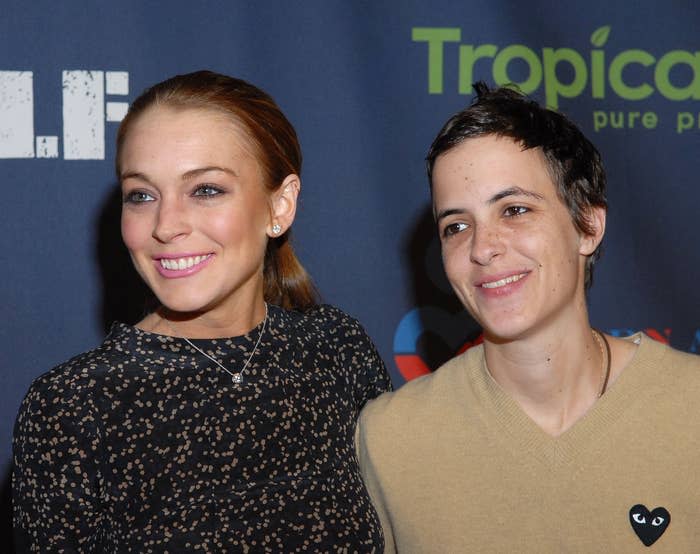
{"points": [[600, 36]]}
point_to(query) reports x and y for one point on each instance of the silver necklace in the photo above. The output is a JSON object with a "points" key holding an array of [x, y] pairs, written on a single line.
{"points": [[237, 377]]}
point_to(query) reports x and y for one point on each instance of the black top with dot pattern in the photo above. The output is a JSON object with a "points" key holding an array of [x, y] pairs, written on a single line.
{"points": [[144, 444]]}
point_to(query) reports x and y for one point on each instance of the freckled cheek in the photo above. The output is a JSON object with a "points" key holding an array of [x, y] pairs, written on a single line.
{"points": [[530, 245], [456, 267], [448, 259]]}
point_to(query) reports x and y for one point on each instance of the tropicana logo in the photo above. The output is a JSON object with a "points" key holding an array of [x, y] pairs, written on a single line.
{"points": [[597, 69]]}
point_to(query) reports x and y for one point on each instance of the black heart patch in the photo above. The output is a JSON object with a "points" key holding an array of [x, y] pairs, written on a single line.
{"points": [[649, 526]]}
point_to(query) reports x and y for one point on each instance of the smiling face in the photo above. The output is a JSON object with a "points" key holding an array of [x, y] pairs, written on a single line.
{"points": [[509, 245], [196, 214]]}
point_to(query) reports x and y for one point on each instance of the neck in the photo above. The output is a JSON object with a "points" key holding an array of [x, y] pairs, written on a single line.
{"points": [[207, 324], [555, 377]]}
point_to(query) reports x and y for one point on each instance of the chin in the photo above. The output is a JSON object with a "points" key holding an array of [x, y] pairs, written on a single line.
{"points": [[506, 328], [182, 305]]}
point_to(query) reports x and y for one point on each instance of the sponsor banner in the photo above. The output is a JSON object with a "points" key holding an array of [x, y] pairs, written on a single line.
{"points": [[367, 86]]}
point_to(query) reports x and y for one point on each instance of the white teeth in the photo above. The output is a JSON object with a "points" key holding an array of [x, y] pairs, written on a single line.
{"points": [[502, 282], [182, 263]]}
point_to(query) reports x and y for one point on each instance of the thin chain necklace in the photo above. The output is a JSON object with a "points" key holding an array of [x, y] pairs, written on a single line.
{"points": [[237, 377], [605, 373]]}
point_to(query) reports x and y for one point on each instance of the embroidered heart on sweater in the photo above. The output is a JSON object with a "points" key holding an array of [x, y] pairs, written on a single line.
{"points": [[649, 526]]}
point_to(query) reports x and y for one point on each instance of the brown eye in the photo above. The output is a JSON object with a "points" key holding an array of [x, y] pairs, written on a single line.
{"points": [[453, 229], [513, 211]]}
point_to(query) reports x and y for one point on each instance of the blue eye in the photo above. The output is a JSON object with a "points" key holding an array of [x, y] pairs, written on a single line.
{"points": [[207, 190], [453, 229], [514, 211], [137, 197]]}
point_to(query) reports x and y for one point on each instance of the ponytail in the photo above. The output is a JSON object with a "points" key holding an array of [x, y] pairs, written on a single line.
{"points": [[285, 281]]}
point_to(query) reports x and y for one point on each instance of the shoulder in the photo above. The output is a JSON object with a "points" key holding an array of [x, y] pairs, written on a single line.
{"points": [[59, 404], [422, 398], [679, 359], [661, 387], [74, 380], [71, 376], [664, 357], [322, 322], [663, 371], [325, 316]]}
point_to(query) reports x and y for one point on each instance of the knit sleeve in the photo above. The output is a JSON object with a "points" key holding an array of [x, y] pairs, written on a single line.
{"points": [[374, 489], [55, 477]]}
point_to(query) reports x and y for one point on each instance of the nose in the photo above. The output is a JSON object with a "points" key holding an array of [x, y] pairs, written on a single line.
{"points": [[172, 221], [486, 245]]}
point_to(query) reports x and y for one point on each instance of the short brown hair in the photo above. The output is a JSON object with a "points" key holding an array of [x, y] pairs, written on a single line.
{"points": [[573, 162]]}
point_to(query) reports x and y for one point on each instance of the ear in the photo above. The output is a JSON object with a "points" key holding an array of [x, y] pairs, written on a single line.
{"points": [[596, 221], [283, 205]]}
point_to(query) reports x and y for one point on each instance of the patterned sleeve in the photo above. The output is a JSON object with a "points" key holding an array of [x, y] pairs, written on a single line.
{"points": [[358, 353], [55, 478]]}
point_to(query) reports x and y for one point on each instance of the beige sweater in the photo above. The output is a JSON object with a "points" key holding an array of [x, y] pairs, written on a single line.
{"points": [[454, 465]]}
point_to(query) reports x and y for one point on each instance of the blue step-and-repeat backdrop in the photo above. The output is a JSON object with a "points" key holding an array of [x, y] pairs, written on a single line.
{"points": [[367, 85]]}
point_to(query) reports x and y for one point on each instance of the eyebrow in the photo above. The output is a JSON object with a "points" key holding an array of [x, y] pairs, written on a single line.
{"points": [[200, 170], [514, 191], [447, 213], [185, 176], [510, 191]]}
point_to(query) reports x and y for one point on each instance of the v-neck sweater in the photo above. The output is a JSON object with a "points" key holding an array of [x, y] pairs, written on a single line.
{"points": [[453, 464]]}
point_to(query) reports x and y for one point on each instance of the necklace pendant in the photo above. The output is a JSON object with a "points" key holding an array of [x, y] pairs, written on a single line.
{"points": [[237, 377]]}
